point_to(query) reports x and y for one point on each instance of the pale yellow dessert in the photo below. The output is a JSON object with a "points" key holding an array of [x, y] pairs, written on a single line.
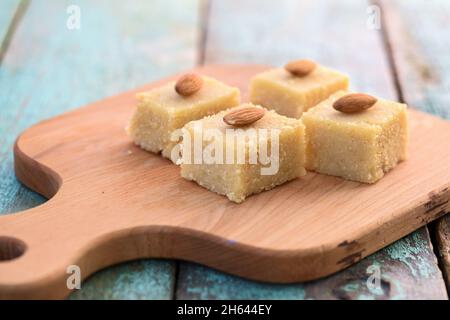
{"points": [[262, 169], [291, 95], [162, 111], [360, 146]]}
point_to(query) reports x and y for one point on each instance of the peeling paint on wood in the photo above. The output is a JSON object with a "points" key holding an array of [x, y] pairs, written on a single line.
{"points": [[137, 280], [404, 270]]}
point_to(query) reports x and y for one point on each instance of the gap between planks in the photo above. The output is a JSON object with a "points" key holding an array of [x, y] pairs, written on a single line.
{"points": [[203, 21], [389, 53], [18, 15]]}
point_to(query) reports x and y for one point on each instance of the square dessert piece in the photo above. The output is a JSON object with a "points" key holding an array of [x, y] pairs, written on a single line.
{"points": [[356, 143], [243, 151], [291, 93], [161, 111]]}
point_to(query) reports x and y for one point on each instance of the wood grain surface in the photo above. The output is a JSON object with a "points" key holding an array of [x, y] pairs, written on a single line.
{"points": [[112, 202], [289, 30]]}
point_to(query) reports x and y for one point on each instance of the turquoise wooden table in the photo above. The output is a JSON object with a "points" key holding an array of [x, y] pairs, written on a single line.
{"points": [[58, 55]]}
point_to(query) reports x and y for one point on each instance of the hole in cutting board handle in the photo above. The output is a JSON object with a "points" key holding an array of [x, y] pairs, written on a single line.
{"points": [[11, 248]]}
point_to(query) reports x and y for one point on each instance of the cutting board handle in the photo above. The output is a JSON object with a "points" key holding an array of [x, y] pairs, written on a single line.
{"points": [[31, 265], [43, 248], [29, 240], [44, 254]]}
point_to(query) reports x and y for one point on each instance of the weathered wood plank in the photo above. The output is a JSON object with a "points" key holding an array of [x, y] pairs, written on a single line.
{"points": [[420, 40], [273, 33], [49, 69], [419, 36], [442, 235]]}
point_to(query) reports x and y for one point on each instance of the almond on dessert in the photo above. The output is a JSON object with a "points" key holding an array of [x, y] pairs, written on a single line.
{"points": [[243, 151], [292, 90], [356, 136], [163, 110]]}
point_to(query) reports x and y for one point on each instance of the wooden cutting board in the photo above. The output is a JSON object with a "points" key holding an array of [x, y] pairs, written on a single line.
{"points": [[112, 202]]}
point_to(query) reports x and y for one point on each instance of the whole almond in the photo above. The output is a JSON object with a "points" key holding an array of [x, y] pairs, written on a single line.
{"points": [[354, 102], [188, 84], [300, 68], [243, 116]]}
